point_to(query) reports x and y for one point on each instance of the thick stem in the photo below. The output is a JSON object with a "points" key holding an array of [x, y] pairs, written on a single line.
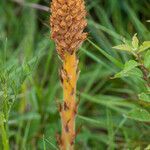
{"points": [[69, 107]]}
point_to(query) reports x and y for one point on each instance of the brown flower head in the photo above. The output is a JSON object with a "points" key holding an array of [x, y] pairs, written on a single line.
{"points": [[67, 24]]}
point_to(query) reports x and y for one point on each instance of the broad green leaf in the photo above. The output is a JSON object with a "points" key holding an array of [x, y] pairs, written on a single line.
{"points": [[123, 47], [135, 72], [130, 65], [144, 97], [128, 69], [144, 46], [135, 42], [147, 59], [139, 114]]}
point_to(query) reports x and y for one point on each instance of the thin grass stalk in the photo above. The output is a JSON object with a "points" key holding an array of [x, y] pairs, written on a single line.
{"points": [[67, 24], [5, 141]]}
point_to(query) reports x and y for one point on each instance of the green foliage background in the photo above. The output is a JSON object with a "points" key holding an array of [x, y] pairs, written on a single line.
{"points": [[109, 110]]}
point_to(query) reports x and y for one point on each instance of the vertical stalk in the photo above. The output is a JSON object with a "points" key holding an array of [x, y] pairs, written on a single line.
{"points": [[4, 119], [4, 137], [144, 70], [68, 112], [67, 24]]}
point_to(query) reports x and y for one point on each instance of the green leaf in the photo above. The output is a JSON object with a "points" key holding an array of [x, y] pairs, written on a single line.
{"points": [[144, 46], [147, 59], [108, 56], [139, 114], [144, 97], [137, 148], [135, 42], [123, 47], [25, 117], [130, 65], [148, 147], [90, 120], [128, 69]]}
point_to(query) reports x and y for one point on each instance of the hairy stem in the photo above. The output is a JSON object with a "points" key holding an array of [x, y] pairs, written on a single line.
{"points": [[69, 107]]}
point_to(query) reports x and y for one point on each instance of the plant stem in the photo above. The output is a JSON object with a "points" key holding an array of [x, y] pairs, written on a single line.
{"points": [[4, 123], [4, 137], [144, 70], [69, 77]]}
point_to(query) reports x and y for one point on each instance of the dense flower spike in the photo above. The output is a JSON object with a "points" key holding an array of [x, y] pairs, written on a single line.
{"points": [[67, 24]]}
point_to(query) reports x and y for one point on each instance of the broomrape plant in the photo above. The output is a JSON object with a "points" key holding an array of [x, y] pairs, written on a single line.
{"points": [[67, 24]]}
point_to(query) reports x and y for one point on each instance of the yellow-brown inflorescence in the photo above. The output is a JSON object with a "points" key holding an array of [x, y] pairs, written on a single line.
{"points": [[67, 24]]}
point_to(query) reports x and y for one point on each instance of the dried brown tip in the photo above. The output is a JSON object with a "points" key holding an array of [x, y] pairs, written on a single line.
{"points": [[76, 134], [67, 24]]}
